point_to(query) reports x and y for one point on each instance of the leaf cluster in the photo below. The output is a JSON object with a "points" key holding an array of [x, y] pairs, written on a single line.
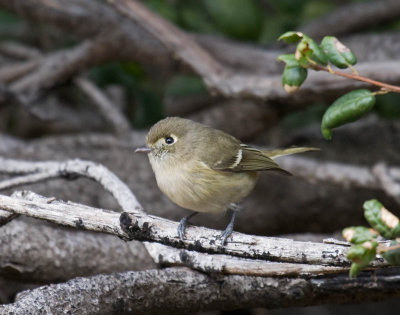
{"points": [[330, 52], [365, 248]]}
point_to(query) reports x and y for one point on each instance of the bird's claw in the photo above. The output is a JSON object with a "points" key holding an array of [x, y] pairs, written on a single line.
{"points": [[182, 227], [229, 229], [225, 234]]}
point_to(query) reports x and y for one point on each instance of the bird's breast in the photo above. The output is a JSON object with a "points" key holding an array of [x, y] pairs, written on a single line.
{"points": [[195, 186]]}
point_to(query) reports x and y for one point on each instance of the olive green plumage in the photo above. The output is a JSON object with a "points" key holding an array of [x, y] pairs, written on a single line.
{"points": [[204, 169]]}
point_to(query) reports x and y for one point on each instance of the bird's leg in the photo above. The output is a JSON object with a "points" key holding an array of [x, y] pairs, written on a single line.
{"points": [[233, 208], [182, 224]]}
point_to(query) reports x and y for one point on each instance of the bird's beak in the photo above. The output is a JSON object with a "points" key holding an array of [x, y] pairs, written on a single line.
{"points": [[143, 150]]}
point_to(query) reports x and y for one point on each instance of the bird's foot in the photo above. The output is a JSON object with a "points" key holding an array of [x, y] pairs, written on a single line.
{"points": [[225, 234], [229, 229], [182, 225]]}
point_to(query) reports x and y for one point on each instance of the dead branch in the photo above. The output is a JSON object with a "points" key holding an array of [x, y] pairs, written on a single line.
{"points": [[328, 172], [109, 111], [9, 73], [362, 14], [389, 180], [240, 56], [16, 71], [42, 253], [220, 78], [51, 169], [186, 291], [18, 50], [266, 203], [150, 228], [58, 66], [376, 177], [225, 264]]}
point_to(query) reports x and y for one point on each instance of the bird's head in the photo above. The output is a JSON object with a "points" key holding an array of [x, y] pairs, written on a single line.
{"points": [[170, 138]]}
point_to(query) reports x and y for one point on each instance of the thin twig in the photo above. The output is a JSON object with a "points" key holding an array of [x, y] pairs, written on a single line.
{"points": [[386, 86]]}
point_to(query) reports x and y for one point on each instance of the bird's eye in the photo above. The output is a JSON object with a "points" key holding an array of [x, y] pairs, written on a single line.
{"points": [[169, 140]]}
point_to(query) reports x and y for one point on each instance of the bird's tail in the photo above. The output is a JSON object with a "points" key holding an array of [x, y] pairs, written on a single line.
{"points": [[281, 152]]}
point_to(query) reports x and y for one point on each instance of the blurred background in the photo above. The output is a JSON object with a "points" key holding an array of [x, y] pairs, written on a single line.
{"points": [[78, 79]]}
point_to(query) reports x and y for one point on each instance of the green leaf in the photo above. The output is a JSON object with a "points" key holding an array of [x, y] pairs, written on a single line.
{"points": [[392, 256], [293, 77], [338, 54], [291, 37], [347, 108], [355, 269], [309, 49], [359, 234], [289, 59], [382, 220], [361, 255]]}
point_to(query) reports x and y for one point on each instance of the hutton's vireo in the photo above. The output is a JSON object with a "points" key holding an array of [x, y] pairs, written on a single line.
{"points": [[204, 169]]}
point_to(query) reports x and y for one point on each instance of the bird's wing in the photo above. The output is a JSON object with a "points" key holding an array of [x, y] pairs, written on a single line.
{"points": [[243, 158]]}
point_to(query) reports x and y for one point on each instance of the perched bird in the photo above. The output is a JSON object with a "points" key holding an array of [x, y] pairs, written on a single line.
{"points": [[204, 169]]}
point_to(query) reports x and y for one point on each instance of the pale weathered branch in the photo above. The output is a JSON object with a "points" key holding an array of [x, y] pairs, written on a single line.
{"points": [[51, 169], [225, 264], [37, 252], [376, 177], [18, 50], [150, 228], [183, 290], [9, 73], [387, 178]]}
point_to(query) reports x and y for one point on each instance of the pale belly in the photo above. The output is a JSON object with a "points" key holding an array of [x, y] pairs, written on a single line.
{"points": [[198, 188]]}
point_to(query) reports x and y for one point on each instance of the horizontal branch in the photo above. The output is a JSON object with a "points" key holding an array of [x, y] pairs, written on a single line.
{"points": [[187, 291], [378, 176], [225, 264], [218, 78], [163, 42], [50, 169], [37, 252], [150, 228]]}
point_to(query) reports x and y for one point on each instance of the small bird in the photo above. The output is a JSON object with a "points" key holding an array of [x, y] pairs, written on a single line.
{"points": [[204, 169]]}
